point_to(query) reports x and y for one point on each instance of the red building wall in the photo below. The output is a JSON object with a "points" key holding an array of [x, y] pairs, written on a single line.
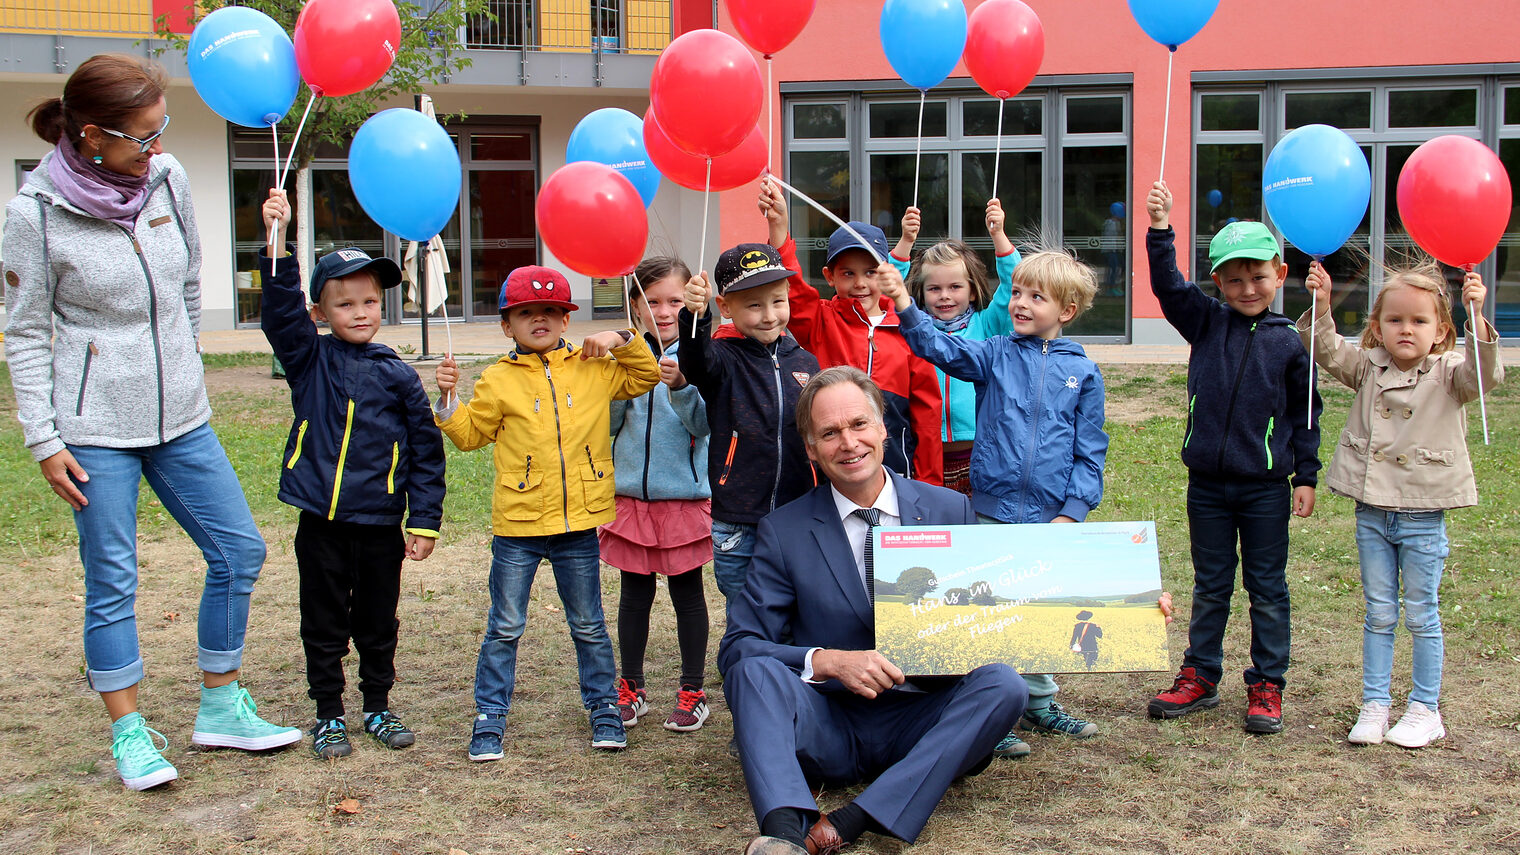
{"points": [[1099, 36]]}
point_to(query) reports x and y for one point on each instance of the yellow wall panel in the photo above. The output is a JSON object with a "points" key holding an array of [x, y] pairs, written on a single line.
{"points": [[77, 17]]}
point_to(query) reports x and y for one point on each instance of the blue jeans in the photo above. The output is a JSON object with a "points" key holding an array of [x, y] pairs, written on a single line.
{"points": [[1222, 512], [193, 479], [1407, 546], [733, 547], [576, 560]]}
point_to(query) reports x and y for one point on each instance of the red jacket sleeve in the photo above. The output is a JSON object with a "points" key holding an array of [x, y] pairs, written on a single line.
{"points": [[924, 401], [805, 300]]}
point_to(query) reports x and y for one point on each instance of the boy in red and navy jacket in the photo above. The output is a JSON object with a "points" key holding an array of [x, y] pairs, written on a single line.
{"points": [[859, 327]]}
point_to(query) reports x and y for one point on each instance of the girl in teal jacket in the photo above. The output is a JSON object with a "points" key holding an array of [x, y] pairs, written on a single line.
{"points": [[949, 282]]}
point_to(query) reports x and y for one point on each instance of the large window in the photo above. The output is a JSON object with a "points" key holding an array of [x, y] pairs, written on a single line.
{"points": [[500, 177], [1236, 126], [1062, 178]]}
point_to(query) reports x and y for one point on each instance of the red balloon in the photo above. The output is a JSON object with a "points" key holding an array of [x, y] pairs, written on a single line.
{"points": [[1004, 45], [735, 169], [1454, 198], [345, 46], [769, 25], [592, 219], [706, 89]]}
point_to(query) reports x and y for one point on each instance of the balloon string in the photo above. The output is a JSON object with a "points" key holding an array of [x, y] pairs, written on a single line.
{"points": [[997, 156], [770, 116], [292, 153], [642, 296], [447, 334], [830, 214], [1475, 320], [274, 260], [918, 146], [702, 251], [1166, 121], [1313, 373]]}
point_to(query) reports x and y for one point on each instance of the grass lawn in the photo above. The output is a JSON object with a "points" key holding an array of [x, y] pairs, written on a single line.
{"points": [[1196, 785]]}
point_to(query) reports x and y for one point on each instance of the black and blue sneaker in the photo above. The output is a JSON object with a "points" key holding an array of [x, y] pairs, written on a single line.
{"points": [[607, 731], [329, 739], [388, 730], [485, 742]]}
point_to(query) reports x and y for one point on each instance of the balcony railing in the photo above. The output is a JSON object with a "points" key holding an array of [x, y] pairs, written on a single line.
{"points": [[78, 17], [576, 26]]}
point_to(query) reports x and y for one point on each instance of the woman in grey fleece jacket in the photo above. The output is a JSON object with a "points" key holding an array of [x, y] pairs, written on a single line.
{"points": [[102, 287]]}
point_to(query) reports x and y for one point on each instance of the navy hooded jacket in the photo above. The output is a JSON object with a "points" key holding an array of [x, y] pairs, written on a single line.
{"points": [[363, 447], [1248, 382]]}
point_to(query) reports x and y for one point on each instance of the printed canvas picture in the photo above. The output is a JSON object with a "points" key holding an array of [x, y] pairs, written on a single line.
{"points": [[1046, 599]]}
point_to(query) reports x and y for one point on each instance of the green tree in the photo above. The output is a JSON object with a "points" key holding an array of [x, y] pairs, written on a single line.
{"points": [[916, 582], [956, 597]]}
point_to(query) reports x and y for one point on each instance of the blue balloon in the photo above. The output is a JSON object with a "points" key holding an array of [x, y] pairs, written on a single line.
{"points": [[1172, 22], [1117, 210], [243, 66], [1316, 185], [1232, 220], [1216, 198], [615, 138], [405, 173], [923, 39]]}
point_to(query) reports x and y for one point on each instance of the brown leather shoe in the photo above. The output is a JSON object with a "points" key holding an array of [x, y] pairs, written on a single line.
{"points": [[766, 845], [823, 838]]}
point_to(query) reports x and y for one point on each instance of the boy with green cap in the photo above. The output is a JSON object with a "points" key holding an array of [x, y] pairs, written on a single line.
{"points": [[1251, 450]]}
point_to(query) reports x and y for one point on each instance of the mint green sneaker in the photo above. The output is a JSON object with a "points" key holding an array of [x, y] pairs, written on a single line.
{"points": [[228, 718], [139, 758]]}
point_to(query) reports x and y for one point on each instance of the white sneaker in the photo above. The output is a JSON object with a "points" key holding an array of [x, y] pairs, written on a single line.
{"points": [[1417, 728], [1371, 724]]}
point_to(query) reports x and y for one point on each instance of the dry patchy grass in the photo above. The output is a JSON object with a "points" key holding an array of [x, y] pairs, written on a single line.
{"points": [[1197, 785]]}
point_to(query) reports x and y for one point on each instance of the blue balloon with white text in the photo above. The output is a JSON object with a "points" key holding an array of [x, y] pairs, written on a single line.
{"points": [[1316, 185], [243, 65], [923, 39], [405, 172], [615, 137]]}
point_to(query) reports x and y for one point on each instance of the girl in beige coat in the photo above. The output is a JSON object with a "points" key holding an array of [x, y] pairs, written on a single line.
{"points": [[1403, 459]]}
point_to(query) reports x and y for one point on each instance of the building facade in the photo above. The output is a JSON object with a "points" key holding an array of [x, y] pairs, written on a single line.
{"points": [[1079, 147]]}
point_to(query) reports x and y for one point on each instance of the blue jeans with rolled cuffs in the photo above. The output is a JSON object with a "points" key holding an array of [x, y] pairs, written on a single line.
{"points": [[575, 558], [1407, 547], [196, 484]]}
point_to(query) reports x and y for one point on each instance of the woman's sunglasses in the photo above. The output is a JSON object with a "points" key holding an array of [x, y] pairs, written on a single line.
{"points": [[142, 145]]}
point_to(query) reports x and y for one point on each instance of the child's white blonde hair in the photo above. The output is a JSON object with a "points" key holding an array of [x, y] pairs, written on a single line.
{"points": [[1420, 275], [1062, 276]]}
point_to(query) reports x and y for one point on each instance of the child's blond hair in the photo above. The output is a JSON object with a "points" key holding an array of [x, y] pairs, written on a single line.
{"points": [[947, 253], [1062, 276], [1425, 277]]}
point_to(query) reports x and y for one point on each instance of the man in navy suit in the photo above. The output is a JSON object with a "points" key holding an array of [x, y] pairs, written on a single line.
{"points": [[811, 700]]}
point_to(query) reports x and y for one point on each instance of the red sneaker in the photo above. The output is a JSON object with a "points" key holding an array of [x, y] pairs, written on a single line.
{"points": [[1189, 692], [1264, 707], [691, 710], [632, 702]]}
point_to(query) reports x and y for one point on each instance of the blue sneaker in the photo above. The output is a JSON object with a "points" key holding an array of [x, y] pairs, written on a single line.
{"points": [[388, 730], [228, 718], [1055, 719], [485, 742], [139, 758], [1011, 746], [607, 731], [329, 739]]}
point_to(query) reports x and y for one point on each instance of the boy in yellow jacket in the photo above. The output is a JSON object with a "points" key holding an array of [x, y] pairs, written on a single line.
{"points": [[545, 405]]}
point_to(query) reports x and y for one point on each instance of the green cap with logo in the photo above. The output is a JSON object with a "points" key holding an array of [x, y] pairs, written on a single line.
{"points": [[1242, 239]]}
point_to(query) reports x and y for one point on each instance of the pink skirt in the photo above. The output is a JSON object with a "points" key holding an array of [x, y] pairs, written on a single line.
{"points": [[668, 537]]}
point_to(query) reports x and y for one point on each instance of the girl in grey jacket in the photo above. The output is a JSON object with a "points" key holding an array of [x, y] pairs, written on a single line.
{"points": [[102, 287]]}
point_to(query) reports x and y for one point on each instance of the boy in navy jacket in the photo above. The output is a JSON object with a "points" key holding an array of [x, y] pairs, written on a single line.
{"points": [[363, 453], [1251, 453], [750, 379]]}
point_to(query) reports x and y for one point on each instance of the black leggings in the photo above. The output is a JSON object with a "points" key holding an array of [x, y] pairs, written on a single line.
{"points": [[691, 623]]}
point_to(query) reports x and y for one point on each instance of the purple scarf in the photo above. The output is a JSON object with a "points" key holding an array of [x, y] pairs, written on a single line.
{"points": [[97, 191]]}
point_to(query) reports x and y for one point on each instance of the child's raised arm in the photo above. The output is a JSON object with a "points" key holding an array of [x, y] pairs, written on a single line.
{"points": [[276, 215], [1159, 205], [1001, 245], [777, 218], [911, 223], [889, 278], [1318, 283]]}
